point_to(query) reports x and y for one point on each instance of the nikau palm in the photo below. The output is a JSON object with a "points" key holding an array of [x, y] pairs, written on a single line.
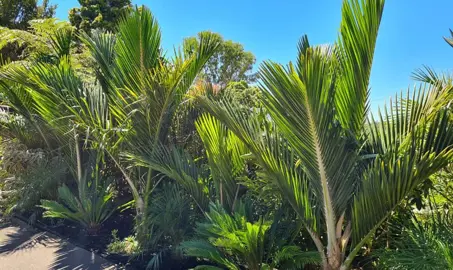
{"points": [[143, 88], [342, 172], [131, 105]]}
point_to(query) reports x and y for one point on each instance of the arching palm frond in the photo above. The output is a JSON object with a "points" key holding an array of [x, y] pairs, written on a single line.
{"points": [[301, 102], [20, 119], [176, 165], [272, 153], [415, 142], [224, 152], [102, 48], [354, 52], [427, 75]]}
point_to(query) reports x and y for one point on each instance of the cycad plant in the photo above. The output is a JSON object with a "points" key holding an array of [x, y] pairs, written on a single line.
{"points": [[229, 235], [233, 242], [342, 171]]}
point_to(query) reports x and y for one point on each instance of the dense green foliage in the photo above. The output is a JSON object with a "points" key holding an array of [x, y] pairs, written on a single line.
{"points": [[17, 13], [422, 243], [231, 241], [98, 14], [230, 62], [293, 172]]}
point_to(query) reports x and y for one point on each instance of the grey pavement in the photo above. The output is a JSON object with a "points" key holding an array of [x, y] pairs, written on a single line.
{"points": [[23, 248]]}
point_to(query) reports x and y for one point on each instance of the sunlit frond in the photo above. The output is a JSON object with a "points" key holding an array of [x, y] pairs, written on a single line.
{"points": [[224, 152]]}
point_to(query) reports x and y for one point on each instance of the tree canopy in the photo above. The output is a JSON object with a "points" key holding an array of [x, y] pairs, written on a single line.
{"points": [[94, 14], [17, 13], [231, 62]]}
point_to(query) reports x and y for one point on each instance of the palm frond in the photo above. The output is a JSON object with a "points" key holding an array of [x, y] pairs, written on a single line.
{"points": [[137, 48], [270, 151], [292, 257], [102, 48], [415, 142], [422, 245], [354, 52], [301, 102], [427, 75], [450, 39], [204, 249], [224, 152], [61, 42], [176, 165]]}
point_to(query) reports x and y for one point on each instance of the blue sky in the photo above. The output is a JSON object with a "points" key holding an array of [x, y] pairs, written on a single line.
{"points": [[410, 35]]}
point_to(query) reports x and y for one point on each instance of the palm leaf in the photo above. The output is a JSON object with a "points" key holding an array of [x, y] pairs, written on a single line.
{"points": [[176, 165], [271, 152], [301, 102], [450, 40], [354, 52], [224, 152], [415, 142]]}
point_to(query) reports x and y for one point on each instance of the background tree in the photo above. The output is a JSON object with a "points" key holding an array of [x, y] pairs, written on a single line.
{"points": [[46, 10], [17, 13], [93, 14], [231, 63]]}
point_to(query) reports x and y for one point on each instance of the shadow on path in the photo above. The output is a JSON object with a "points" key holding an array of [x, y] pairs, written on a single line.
{"points": [[21, 247], [20, 238], [69, 256]]}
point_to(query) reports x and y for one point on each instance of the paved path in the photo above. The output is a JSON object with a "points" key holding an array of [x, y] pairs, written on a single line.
{"points": [[22, 248]]}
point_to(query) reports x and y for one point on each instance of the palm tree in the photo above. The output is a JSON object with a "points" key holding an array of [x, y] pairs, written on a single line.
{"points": [[342, 172], [131, 104], [143, 88]]}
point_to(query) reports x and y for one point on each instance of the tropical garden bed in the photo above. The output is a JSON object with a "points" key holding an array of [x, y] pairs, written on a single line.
{"points": [[189, 160]]}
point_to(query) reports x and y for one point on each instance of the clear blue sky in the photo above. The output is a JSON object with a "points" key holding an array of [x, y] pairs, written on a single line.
{"points": [[410, 35]]}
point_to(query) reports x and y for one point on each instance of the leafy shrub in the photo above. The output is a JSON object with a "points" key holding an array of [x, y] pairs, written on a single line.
{"points": [[34, 175], [128, 246], [17, 159]]}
